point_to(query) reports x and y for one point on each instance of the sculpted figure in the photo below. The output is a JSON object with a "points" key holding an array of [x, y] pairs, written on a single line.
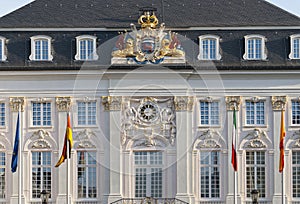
{"points": [[167, 51], [128, 51]]}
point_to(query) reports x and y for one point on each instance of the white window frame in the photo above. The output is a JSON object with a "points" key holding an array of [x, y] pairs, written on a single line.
{"points": [[31, 113], [255, 113], [44, 166], [290, 107], [210, 165], [263, 47], [75, 115], [217, 49], [3, 49], [87, 166], [292, 53], [148, 166], [5, 114], [210, 101], [255, 165], [33, 39], [86, 37]]}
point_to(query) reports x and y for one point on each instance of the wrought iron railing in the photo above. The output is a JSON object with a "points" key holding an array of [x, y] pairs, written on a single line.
{"points": [[149, 200]]}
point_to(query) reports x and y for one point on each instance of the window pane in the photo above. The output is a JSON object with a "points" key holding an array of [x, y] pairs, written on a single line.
{"points": [[295, 112], [2, 175], [41, 173], [2, 114], [296, 48]]}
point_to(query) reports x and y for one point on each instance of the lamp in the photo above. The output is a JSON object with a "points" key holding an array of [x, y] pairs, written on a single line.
{"points": [[45, 196], [254, 195]]}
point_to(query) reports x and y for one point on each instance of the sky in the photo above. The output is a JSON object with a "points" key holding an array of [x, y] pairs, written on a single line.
{"points": [[8, 6]]}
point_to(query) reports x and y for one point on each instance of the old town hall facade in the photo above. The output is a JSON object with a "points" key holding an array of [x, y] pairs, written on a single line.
{"points": [[155, 90]]}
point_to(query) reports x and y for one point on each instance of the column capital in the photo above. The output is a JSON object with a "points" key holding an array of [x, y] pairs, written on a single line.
{"points": [[112, 103], [278, 102], [63, 103], [184, 103], [233, 102], [17, 104]]}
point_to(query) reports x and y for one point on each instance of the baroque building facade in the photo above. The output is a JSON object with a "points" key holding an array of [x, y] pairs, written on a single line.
{"points": [[151, 88]]}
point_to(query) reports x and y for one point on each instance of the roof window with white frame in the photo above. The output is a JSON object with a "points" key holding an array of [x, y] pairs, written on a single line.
{"points": [[295, 46], [255, 48], [86, 48], [3, 56], [41, 48], [209, 47]]}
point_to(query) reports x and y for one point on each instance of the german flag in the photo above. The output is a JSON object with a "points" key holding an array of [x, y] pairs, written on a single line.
{"points": [[68, 139]]}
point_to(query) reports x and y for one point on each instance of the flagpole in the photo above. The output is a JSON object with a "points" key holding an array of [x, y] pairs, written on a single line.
{"points": [[68, 163], [235, 172], [20, 157], [282, 180]]}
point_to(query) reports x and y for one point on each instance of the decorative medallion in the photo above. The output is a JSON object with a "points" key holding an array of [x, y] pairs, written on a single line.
{"points": [[148, 111], [149, 44]]}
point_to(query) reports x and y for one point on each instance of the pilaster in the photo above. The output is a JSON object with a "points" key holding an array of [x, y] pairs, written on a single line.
{"points": [[233, 103], [278, 104], [183, 107], [63, 105], [113, 105], [16, 106]]}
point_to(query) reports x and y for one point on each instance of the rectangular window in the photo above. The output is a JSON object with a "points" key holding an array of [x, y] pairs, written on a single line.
{"points": [[254, 48], [41, 50], [296, 173], [295, 112], [148, 174], [86, 174], [255, 113], [296, 47], [209, 49], [86, 113], [256, 172], [1, 49], [2, 175], [210, 174], [209, 113], [2, 114], [41, 173], [41, 114], [86, 49]]}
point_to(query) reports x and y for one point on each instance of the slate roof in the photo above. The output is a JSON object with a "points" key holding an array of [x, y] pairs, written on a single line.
{"points": [[120, 13]]}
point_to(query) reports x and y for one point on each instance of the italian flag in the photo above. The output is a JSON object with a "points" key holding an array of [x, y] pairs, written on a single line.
{"points": [[233, 150]]}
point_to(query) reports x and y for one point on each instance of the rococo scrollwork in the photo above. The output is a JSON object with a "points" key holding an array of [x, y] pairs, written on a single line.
{"points": [[278, 102], [17, 104], [149, 44], [148, 121]]}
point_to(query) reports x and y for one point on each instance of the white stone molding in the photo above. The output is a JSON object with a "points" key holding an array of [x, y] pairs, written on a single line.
{"points": [[17, 104], [3, 50], [256, 139], [292, 47], [209, 139], [40, 139], [217, 50], [147, 142], [263, 47], [86, 37], [63, 104], [233, 102], [33, 47], [112, 103], [278, 102], [293, 141], [5, 144], [184, 103], [85, 139]]}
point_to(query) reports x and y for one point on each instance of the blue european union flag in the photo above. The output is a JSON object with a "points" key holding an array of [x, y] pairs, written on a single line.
{"points": [[14, 161]]}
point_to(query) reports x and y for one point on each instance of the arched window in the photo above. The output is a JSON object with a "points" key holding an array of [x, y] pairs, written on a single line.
{"points": [[295, 46], [209, 46], [86, 48], [255, 48], [208, 156], [3, 54], [41, 48]]}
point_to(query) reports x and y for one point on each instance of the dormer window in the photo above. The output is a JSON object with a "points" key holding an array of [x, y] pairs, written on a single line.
{"points": [[3, 56], [295, 47], [209, 47], [86, 48], [255, 47], [41, 48]]}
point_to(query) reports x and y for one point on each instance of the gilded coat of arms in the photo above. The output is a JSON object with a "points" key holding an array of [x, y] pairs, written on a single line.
{"points": [[149, 44]]}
